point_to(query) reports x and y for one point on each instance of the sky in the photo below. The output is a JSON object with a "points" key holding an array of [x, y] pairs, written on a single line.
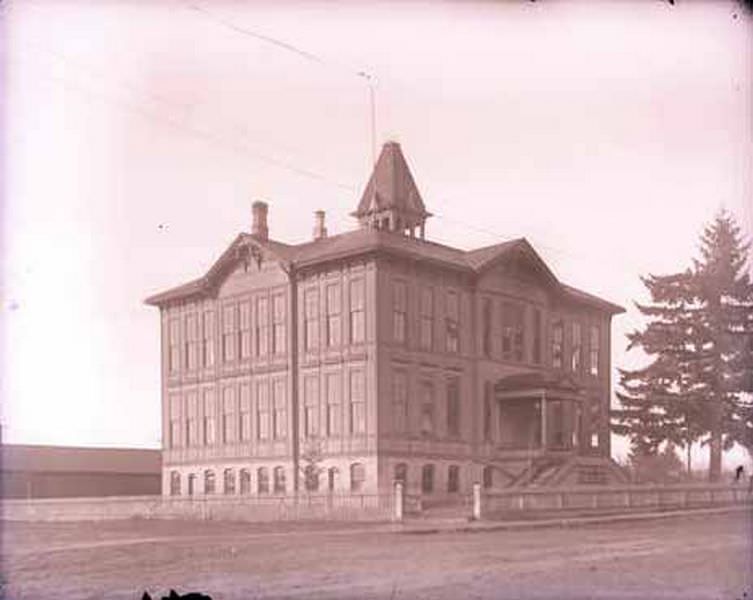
{"points": [[136, 135]]}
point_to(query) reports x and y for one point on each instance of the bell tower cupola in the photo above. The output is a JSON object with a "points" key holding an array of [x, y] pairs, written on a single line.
{"points": [[391, 201]]}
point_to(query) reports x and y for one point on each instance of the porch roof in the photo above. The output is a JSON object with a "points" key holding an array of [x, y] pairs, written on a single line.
{"points": [[536, 383]]}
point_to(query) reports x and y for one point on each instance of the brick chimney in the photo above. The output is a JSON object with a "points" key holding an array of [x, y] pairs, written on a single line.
{"points": [[259, 223], [320, 231]]}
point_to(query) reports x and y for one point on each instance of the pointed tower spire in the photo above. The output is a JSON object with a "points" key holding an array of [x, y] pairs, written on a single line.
{"points": [[391, 200]]}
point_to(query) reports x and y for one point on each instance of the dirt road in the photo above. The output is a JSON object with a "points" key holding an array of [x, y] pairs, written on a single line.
{"points": [[683, 558]]}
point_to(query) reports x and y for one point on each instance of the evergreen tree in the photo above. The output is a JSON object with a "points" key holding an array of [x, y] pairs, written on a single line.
{"points": [[700, 339]]}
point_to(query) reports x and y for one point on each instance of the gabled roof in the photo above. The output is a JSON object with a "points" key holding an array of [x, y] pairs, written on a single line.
{"points": [[391, 186], [208, 282], [484, 258]]}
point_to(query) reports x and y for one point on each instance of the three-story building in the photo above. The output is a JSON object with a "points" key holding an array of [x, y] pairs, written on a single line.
{"points": [[377, 356]]}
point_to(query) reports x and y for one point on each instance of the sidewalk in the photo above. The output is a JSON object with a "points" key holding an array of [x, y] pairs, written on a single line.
{"points": [[428, 526]]}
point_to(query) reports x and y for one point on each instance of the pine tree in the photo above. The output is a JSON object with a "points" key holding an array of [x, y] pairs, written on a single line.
{"points": [[700, 339], [722, 371]]}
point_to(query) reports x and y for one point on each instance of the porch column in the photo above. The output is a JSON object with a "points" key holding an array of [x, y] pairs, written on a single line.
{"points": [[543, 419]]}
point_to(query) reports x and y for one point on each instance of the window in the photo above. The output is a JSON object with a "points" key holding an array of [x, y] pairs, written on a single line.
{"points": [[192, 422], [452, 322], [333, 404], [576, 350], [594, 353], [262, 410], [453, 479], [229, 335], [262, 481], [400, 402], [229, 423], [278, 324], [311, 478], [311, 406], [262, 326], [333, 314], [399, 311], [427, 409], [228, 481], [280, 411], [173, 357], [245, 420], [209, 417], [311, 319], [357, 477], [244, 332], [209, 484], [486, 324], [453, 407], [427, 479], [594, 440], [331, 478], [537, 331], [174, 483], [174, 431], [279, 480], [488, 399], [191, 484], [513, 317], [558, 335], [401, 473], [245, 481], [357, 313], [192, 342], [488, 477], [207, 339], [427, 319], [357, 403]]}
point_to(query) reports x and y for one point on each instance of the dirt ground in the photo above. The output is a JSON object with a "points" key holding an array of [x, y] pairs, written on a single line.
{"points": [[680, 558]]}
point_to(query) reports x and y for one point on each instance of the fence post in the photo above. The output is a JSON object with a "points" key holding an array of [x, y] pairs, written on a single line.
{"points": [[397, 511], [476, 501]]}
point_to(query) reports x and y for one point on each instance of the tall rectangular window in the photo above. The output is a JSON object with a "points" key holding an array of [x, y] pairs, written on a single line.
{"points": [[262, 410], [400, 402], [427, 319], [192, 422], [245, 420], [244, 333], [209, 412], [486, 327], [229, 334], [399, 311], [558, 339], [452, 323], [333, 404], [229, 423], [207, 338], [311, 319], [262, 326], [311, 405], [537, 336], [192, 342], [594, 350], [173, 334], [280, 410], [453, 407], [333, 314], [513, 321], [357, 312], [576, 348], [278, 324], [357, 403], [488, 399], [427, 409], [175, 422]]}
